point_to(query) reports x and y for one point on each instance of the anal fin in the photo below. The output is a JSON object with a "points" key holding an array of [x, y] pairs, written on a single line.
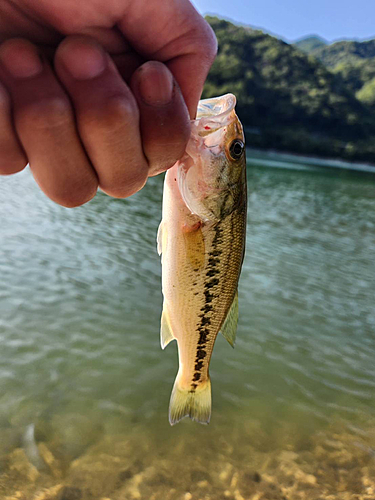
{"points": [[229, 327]]}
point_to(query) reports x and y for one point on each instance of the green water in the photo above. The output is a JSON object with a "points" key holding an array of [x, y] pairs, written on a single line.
{"points": [[80, 359]]}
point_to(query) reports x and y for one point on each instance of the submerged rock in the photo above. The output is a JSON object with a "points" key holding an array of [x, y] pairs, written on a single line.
{"points": [[50, 461], [49, 494], [136, 467], [71, 435], [9, 440], [20, 465], [69, 493]]}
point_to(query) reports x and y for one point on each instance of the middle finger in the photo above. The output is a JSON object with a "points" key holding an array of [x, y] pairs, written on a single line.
{"points": [[107, 115]]}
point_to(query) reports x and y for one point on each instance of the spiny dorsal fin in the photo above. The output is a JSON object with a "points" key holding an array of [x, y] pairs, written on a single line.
{"points": [[166, 334], [229, 327]]}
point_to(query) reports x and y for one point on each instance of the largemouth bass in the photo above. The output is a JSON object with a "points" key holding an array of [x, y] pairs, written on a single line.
{"points": [[202, 241]]}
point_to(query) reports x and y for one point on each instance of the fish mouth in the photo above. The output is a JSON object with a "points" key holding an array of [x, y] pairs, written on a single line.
{"points": [[213, 114], [205, 150], [216, 107]]}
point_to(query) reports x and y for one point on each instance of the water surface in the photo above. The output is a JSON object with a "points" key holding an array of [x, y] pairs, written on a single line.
{"points": [[81, 364]]}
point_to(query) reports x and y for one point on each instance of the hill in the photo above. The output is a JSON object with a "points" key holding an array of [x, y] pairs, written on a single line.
{"points": [[287, 99], [310, 43], [342, 51], [353, 61]]}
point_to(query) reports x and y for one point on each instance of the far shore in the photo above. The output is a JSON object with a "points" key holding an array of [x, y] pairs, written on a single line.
{"points": [[274, 158]]}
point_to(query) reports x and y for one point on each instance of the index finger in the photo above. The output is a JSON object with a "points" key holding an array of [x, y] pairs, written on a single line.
{"points": [[176, 35]]}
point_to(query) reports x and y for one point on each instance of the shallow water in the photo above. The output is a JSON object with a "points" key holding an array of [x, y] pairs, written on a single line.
{"points": [[80, 358]]}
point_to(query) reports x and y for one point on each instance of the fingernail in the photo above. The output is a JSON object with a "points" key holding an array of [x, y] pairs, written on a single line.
{"points": [[21, 59], [156, 84], [83, 60]]}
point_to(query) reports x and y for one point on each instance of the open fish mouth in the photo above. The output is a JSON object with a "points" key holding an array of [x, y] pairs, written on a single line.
{"points": [[213, 114], [199, 173], [207, 132], [218, 107]]}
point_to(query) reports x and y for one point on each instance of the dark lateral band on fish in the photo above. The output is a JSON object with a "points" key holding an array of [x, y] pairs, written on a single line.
{"points": [[207, 308]]}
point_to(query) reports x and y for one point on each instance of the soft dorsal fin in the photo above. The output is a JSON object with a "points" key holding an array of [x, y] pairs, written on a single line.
{"points": [[166, 334], [229, 327]]}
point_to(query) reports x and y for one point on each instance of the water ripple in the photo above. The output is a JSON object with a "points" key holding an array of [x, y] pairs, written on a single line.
{"points": [[80, 302]]}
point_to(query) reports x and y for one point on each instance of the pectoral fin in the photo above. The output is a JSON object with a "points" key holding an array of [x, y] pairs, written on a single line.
{"points": [[161, 238], [229, 327], [166, 334]]}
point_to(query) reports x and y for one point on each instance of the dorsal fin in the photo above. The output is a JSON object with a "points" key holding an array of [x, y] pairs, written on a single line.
{"points": [[229, 327]]}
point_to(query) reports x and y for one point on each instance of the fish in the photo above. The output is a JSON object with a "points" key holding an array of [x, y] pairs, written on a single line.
{"points": [[201, 240]]}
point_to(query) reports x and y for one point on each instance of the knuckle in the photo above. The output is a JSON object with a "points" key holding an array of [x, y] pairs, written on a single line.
{"points": [[50, 112], [167, 145], [116, 111], [12, 159], [165, 154], [126, 186], [161, 163], [209, 43], [73, 195], [203, 42], [15, 43], [9, 166], [5, 104]]}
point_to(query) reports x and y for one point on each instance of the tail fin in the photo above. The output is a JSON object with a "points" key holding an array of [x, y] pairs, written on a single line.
{"points": [[187, 403]]}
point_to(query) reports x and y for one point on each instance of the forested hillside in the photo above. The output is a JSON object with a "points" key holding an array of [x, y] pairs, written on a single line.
{"points": [[287, 99], [310, 43], [353, 61]]}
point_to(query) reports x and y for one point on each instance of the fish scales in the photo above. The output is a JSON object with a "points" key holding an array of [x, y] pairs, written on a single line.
{"points": [[208, 292], [202, 251], [219, 279]]}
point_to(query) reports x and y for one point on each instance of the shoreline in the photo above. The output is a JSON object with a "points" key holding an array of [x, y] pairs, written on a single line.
{"points": [[265, 156]]}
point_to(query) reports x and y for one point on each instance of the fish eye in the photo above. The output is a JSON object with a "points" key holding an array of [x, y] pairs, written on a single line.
{"points": [[236, 149]]}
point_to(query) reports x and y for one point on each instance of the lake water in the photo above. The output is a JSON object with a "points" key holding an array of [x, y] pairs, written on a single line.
{"points": [[85, 387]]}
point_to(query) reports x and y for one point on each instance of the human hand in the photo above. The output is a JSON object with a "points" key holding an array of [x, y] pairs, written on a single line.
{"points": [[98, 93]]}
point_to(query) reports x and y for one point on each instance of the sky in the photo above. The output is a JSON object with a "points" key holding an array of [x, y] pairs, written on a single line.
{"points": [[293, 19]]}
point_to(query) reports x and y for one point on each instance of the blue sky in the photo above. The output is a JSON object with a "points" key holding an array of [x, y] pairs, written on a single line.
{"points": [[292, 19]]}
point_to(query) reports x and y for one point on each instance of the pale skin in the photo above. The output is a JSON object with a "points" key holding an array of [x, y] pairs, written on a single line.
{"points": [[98, 93]]}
